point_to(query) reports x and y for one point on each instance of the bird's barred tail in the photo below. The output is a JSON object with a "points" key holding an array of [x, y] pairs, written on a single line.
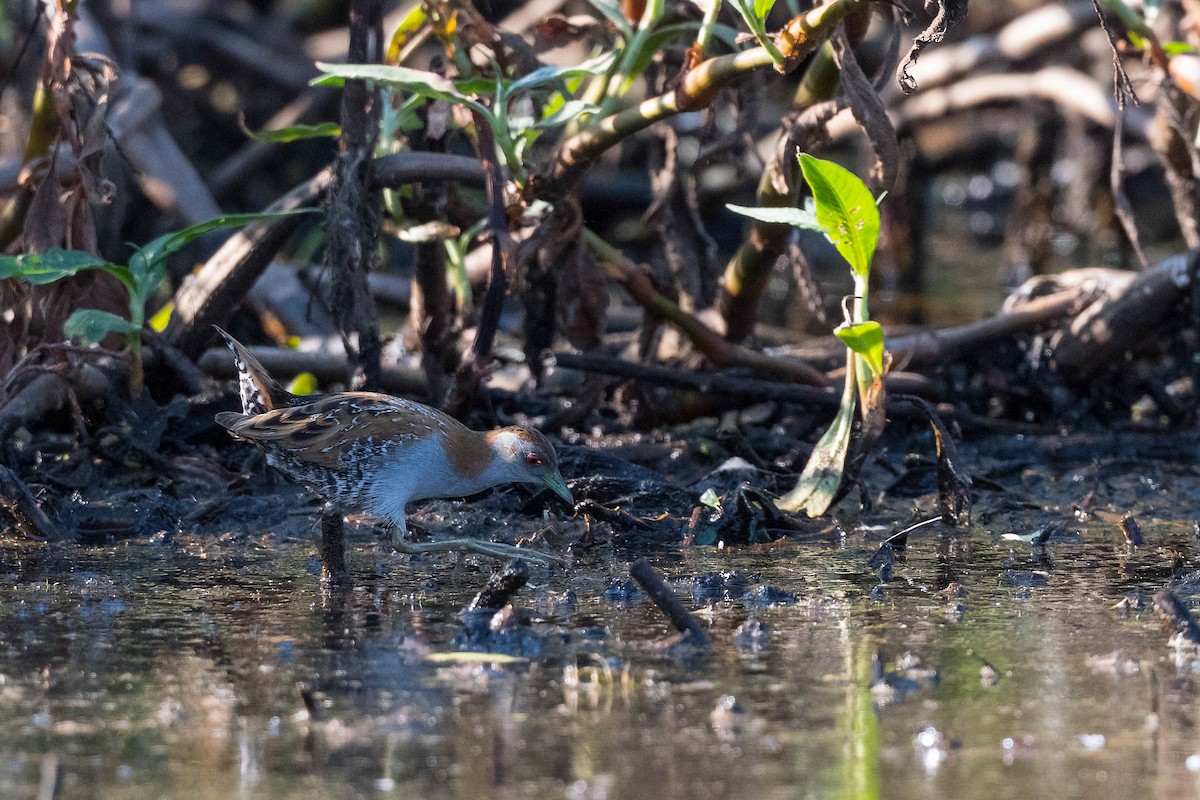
{"points": [[260, 392]]}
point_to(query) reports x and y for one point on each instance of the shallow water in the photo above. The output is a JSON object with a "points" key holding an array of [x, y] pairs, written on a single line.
{"points": [[172, 670]]}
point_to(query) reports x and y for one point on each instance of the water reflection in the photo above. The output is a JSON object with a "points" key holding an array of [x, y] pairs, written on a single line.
{"points": [[141, 671]]}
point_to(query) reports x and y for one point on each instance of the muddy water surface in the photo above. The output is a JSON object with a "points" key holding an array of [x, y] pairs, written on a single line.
{"points": [[983, 668]]}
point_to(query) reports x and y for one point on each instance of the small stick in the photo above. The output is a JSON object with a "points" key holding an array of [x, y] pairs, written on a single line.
{"points": [[654, 586]]}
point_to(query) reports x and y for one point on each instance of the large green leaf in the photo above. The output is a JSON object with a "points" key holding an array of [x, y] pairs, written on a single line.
{"points": [[422, 82], [48, 267], [845, 210], [92, 325], [786, 215]]}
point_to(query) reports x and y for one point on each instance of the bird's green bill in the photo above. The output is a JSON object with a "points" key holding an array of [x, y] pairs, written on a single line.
{"points": [[559, 486]]}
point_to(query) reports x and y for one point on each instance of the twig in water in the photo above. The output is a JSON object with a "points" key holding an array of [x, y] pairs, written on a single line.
{"points": [[658, 591]]}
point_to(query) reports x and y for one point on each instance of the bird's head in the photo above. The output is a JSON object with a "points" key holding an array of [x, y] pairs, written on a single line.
{"points": [[524, 455]]}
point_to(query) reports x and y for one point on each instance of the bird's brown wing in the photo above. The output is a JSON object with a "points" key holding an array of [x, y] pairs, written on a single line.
{"points": [[327, 431]]}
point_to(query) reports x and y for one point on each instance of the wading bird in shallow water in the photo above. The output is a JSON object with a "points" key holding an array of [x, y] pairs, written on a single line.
{"points": [[369, 452]]}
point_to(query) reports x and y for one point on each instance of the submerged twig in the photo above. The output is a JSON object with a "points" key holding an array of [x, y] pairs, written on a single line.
{"points": [[658, 591]]}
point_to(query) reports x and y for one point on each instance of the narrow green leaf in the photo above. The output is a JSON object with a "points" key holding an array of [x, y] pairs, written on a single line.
{"points": [[48, 267], [866, 339], [148, 262], [846, 211], [294, 133], [544, 76], [91, 325], [787, 215]]}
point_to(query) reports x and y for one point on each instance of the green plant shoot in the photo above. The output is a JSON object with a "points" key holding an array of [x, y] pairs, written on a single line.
{"points": [[843, 208], [145, 271], [466, 93]]}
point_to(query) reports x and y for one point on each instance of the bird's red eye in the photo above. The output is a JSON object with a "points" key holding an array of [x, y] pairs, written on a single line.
{"points": [[533, 459]]}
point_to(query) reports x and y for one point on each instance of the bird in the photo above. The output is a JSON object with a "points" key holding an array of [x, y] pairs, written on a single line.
{"points": [[376, 453]]}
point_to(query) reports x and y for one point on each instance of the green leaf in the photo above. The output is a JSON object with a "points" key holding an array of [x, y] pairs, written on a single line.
{"points": [[406, 32], [91, 325], [762, 8], [303, 384], [422, 82], [822, 477], [48, 267], [866, 339], [710, 498], [148, 263], [544, 76], [787, 215], [845, 210], [753, 20], [294, 133]]}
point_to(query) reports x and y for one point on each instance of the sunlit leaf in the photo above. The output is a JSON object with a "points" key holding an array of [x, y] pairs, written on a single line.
{"points": [[845, 210], [91, 325], [710, 498], [162, 317], [303, 384], [406, 32], [762, 8], [866, 339], [294, 133], [786, 215]]}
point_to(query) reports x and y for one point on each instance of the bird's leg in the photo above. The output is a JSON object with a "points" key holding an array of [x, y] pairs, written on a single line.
{"points": [[483, 548], [333, 548]]}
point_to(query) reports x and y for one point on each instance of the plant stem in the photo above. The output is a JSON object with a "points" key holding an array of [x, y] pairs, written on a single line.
{"points": [[623, 79], [799, 37], [707, 25]]}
